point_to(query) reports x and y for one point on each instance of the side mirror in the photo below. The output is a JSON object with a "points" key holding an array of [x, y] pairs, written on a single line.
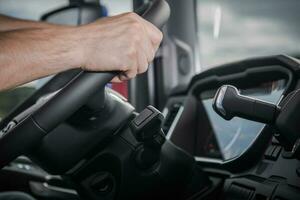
{"points": [[76, 13]]}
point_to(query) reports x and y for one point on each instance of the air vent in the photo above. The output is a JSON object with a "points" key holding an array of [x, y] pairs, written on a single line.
{"points": [[171, 115]]}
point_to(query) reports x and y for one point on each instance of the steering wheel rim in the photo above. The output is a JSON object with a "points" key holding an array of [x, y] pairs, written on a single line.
{"points": [[67, 101]]}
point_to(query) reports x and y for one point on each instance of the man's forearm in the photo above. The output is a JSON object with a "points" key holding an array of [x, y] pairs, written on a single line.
{"points": [[29, 54], [10, 23], [125, 43]]}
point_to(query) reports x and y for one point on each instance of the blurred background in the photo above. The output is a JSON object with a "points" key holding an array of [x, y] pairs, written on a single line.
{"points": [[34, 9], [235, 29]]}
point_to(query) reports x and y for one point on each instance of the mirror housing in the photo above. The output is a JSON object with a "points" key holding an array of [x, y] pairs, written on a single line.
{"points": [[76, 13]]}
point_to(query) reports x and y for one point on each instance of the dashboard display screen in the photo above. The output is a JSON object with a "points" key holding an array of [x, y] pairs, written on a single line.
{"points": [[224, 140]]}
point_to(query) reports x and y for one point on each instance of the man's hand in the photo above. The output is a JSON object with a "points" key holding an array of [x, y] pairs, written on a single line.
{"points": [[125, 43]]}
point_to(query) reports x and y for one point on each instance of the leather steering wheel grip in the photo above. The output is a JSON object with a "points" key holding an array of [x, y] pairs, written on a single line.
{"points": [[83, 86], [29, 132]]}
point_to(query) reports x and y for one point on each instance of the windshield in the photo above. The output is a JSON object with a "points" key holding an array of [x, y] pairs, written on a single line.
{"points": [[231, 30]]}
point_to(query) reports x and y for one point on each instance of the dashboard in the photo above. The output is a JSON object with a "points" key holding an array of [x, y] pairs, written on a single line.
{"points": [[226, 140], [247, 155], [192, 124]]}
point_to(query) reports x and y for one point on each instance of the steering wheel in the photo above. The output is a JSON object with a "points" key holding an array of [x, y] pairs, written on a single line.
{"points": [[38, 122]]}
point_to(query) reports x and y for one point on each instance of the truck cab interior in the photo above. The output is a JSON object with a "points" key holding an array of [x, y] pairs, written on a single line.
{"points": [[215, 116]]}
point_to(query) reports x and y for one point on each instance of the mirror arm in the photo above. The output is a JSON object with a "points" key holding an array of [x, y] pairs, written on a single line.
{"points": [[76, 2]]}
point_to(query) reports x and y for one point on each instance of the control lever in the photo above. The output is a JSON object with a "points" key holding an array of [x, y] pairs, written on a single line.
{"points": [[146, 128], [182, 177], [229, 103]]}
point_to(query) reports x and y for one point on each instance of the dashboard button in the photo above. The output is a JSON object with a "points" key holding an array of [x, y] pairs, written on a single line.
{"points": [[273, 152], [276, 152], [269, 151]]}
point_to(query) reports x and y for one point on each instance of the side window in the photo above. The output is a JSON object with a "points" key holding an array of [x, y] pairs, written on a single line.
{"points": [[33, 10], [116, 6], [29, 9]]}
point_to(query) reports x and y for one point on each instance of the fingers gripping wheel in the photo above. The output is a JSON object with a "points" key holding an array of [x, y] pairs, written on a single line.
{"points": [[29, 132]]}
